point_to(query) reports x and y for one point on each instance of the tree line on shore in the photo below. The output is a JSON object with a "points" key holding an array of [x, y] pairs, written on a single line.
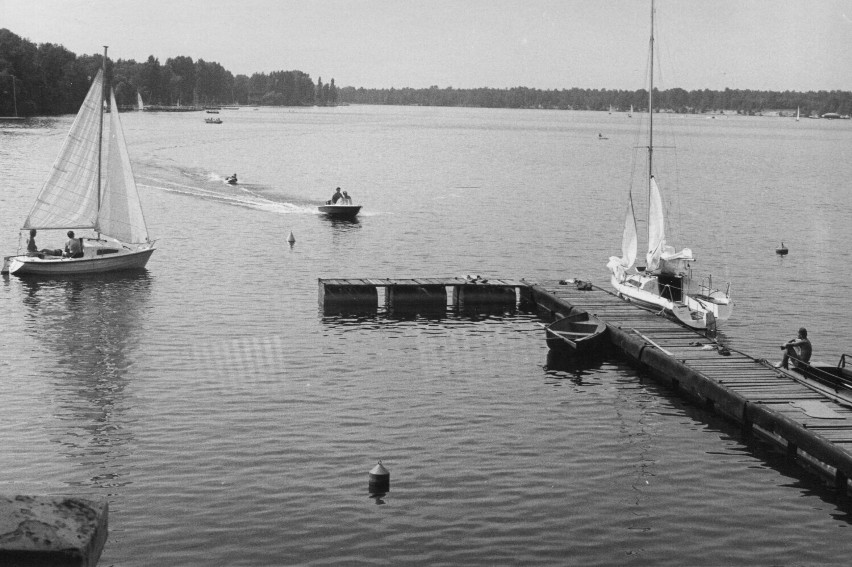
{"points": [[50, 80], [747, 102]]}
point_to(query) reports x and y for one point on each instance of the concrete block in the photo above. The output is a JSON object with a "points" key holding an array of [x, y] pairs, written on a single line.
{"points": [[51, 531]]}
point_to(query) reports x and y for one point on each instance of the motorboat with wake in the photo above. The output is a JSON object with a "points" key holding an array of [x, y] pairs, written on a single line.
{"points": [[90, 187], [340, 211], [666, 283]]}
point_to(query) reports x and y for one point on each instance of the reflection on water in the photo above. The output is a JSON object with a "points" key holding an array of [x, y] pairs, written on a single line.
{"points": [[574, 368], [88, 327]]}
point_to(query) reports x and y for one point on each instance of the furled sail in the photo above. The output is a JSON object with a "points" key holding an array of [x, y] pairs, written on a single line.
{"points": [[656, 226], [69, 197], [120, 215], [629, 245]]}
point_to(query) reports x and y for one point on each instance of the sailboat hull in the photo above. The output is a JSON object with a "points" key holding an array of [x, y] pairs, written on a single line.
{"points": [[55, 266], [688, 311]]}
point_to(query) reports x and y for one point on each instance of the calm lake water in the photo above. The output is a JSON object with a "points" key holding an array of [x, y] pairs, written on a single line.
{"points": [[228, 421]]}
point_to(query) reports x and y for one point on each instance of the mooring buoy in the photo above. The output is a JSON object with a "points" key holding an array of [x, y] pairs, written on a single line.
{"points": [[291, 239], [379, 479], [781, 251]]}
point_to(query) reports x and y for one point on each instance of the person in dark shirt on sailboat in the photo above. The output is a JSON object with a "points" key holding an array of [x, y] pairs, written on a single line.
{"points": [[32, 248], [74, 246], [798, 349]]}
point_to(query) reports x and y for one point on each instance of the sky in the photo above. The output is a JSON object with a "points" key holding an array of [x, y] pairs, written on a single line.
{"points": [[797, 45]]}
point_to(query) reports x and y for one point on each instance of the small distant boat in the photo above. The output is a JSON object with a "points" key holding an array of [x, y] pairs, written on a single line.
{"points": [[212, 111], [139, 101], [797, 113], [340, 211], [213, 120], [602, 137], [630, 114], [781, 251], [579, 333], [231, 179]]}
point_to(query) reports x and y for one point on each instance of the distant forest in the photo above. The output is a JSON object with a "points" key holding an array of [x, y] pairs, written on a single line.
{"points": [[678, 100], [50, 80]]}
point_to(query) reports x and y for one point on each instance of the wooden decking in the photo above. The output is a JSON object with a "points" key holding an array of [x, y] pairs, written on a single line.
{"points": [[745, 389]]}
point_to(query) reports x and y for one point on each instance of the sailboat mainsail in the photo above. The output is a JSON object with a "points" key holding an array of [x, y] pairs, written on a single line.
{"points": [[139, 100], [69, 197]]}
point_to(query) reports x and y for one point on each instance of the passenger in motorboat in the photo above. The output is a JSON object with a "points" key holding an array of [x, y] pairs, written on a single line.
{"points": [[347, 200], [797, 350], [74, 246], [232, 179], [335, 198]]}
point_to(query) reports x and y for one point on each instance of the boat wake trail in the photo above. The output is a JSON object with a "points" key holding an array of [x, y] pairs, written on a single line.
{"points": [[232, 195]]}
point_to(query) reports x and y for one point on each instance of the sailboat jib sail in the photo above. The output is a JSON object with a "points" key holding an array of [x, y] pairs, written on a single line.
{"points": [[90, 186], [629, 244]]}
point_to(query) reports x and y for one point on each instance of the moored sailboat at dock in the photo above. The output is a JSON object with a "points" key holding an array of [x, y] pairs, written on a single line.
{"points": [[90, 187], [666, 282]]}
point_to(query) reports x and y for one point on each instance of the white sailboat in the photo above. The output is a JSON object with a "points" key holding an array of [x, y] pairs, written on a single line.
{"points": [[630, 114], [90, 187], [139, 100], [797, 114], [666, 282]]}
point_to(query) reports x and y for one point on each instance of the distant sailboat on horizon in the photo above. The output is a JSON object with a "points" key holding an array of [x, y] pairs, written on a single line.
{"points": [[139, 101]]}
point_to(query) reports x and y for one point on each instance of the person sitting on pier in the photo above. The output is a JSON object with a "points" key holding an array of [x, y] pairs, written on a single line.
{"points": [[74, 246], [798, 349]]}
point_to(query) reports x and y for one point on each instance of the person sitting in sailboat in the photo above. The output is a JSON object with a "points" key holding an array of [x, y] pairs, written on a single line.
{"points": [[74, 246], [32, 248]]}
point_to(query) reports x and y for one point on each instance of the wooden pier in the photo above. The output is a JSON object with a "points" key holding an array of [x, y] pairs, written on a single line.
{"points": [[809, 425], [749, 391]]}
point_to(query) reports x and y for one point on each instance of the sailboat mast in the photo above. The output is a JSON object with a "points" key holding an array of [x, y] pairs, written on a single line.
{"points": [[651, 102], [101, 131]]}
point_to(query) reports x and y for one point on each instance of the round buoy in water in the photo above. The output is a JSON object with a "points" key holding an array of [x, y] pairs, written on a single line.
{"points": [[291, 239], [379, 479]]}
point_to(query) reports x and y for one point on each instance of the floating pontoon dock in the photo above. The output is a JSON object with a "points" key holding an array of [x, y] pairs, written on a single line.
{"points": [[749, 391]]}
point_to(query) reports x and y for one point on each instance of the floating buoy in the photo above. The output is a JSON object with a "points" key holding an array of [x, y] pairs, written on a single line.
{"points": [[781, 251], [379, 479], [291, 239]]}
